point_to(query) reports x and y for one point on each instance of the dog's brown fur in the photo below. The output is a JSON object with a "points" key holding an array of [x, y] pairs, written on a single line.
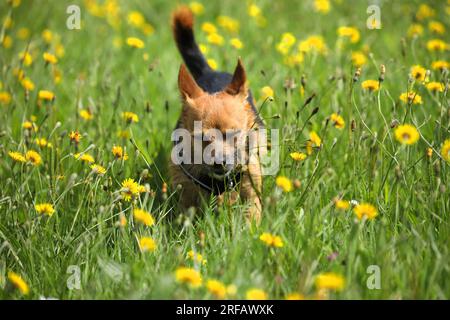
{"points": [[227, 109]]}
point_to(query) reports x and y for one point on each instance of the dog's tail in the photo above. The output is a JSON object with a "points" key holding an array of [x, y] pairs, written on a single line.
{"points": [[182, 26]]}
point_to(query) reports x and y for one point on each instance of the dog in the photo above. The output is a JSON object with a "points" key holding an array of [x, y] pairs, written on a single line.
{"points": [[223, 104]]}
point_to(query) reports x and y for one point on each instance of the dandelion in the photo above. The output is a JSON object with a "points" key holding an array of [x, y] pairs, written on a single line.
{"points": [[131, 189], [330, 281], [75, 137], [147, 244], [45, 209], [23, 33], [407, 134], [266, 93], [124, 134], [118, 153], [50, 58], [271, 240], [411, 98], [216, 288], [98, 169], [85, 157], [18, 283], [42, 142], [203, 48], [5, 97], [17, 156], [86, 114], [322, 6], [208, 28], [286, 42], [26, 58], [358, 59], [429, 152], [418, 72], [228, 23], [425, 12], [236, 43], [215, 38], [135, 19], [212, 63], [436, 27], [122, 220], [143, 217], [338, 121], [436, 45], [130, 117], [295, 296], [196, 257], [135, 42], [7, 42], [314, 141], [365, 210], [256, 294], [47, 35], [415, 30], [349, 32], [445, 151], [189, 276], [29, 125], [298, 156], [33, 157], [313, 43], [440, 65], [197, 8], [341, 204], [254, 11], [284, 183], [46, 95], [435, 86], [27, 84]]}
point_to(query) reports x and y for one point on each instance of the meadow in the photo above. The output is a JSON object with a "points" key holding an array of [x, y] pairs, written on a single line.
{"points": [[359, 208]]}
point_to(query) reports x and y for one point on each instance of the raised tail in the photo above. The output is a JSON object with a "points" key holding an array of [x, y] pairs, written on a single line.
{"points": [[182, 26]]}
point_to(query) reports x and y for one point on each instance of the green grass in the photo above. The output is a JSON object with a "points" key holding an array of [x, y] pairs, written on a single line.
{"points": [[408, 240]]}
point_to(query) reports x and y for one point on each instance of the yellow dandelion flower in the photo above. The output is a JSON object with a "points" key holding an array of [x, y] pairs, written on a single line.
{"points": [[216, 288], [47, 35], [26, 58], [341, 204], [313, 43], [286, 43], [229, 24], [338, 121], [98, 169], [118, 153], [196, 257], [212, 63], [5, 97], [122, 220], [16, 156], [411, 98], [46, 95], [236, 43], [189, 276], [86, 114], [147, 244], [135, 19], [208, 28], [256, 294], [445, 151], [124, 134], [135, 42], [131, 189], [425, 12], [45, 209], [267, 92], [215, 39], [27, 84], [284, 183], [415, 30], [322, 6], [435, 86], [85, 157], [371, 85], [440, 65], [253, 10], [315, 139], [75, 136], [359, 59], [143, 217], [295, 296], [50, 58], [436, 45], [130, 117], [197, 8], [7, 42], [33, 157], [18, 283], [349, 32], [42, 142], [203, 48], [407, 134], [436, 27], [271, 240], [330, 281], [365, 210], [418, 72], [298, 156]]}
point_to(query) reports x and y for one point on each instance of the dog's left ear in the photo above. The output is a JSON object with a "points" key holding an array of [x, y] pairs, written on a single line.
{"points": [[238, 83]]}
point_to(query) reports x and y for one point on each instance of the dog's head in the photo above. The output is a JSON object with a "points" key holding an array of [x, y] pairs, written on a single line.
{"points": [[225, 118]]}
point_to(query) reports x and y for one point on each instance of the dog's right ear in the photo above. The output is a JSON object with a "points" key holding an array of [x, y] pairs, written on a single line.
{"points": [[187, 85]]}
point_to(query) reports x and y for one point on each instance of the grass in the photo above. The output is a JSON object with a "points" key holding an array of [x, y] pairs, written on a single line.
{"points": [[408, 239]]}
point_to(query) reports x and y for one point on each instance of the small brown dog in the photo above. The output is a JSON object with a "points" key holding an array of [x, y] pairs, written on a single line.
{"points": [[220, 102]]}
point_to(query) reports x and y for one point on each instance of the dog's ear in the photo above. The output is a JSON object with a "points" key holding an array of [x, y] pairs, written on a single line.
{"points": [[238, 83], [187, 85]]}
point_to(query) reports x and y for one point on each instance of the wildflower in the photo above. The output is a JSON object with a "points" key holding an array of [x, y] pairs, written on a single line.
{"points": [[5, 97], [50, 58], [130, 117], [203, 48], [341, 204], [440, 65], [147, 244], [365, 210], [135, 42], [267, 92], [47, 35], [338, 121], [216, 288], [131, 189], [197, 8], [23, 33], [425, 12], [42, 142], [322, 6], [418, 72], [284, 183], [411, 98], [407, 134], [189, 276], [7, 42], [358, 59], [256, 294], [212, 63], [436, 45], [313, 43], [84, 157], [271, 240], [436, 27], [122, 220], [119, 153], [26, 58], [46, 95], [236, 43], [349, 32], [330, 281], [98, 169], [415, 30], [86, 114], [27, 84], [74, 136], [435, 86], [147, 29], [445, 151], [254, 10], [29, 125], [196, 257], [135, 19], [18, 282], [371, 85], [295, 296], [215, 38], [298, 156], [286, 42], [45, 208], [228, 23], [429, 152], [124, 134], [209, 28], [57, 75], [33, 157], [143, 217], [17, 156], [314, 141]]}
